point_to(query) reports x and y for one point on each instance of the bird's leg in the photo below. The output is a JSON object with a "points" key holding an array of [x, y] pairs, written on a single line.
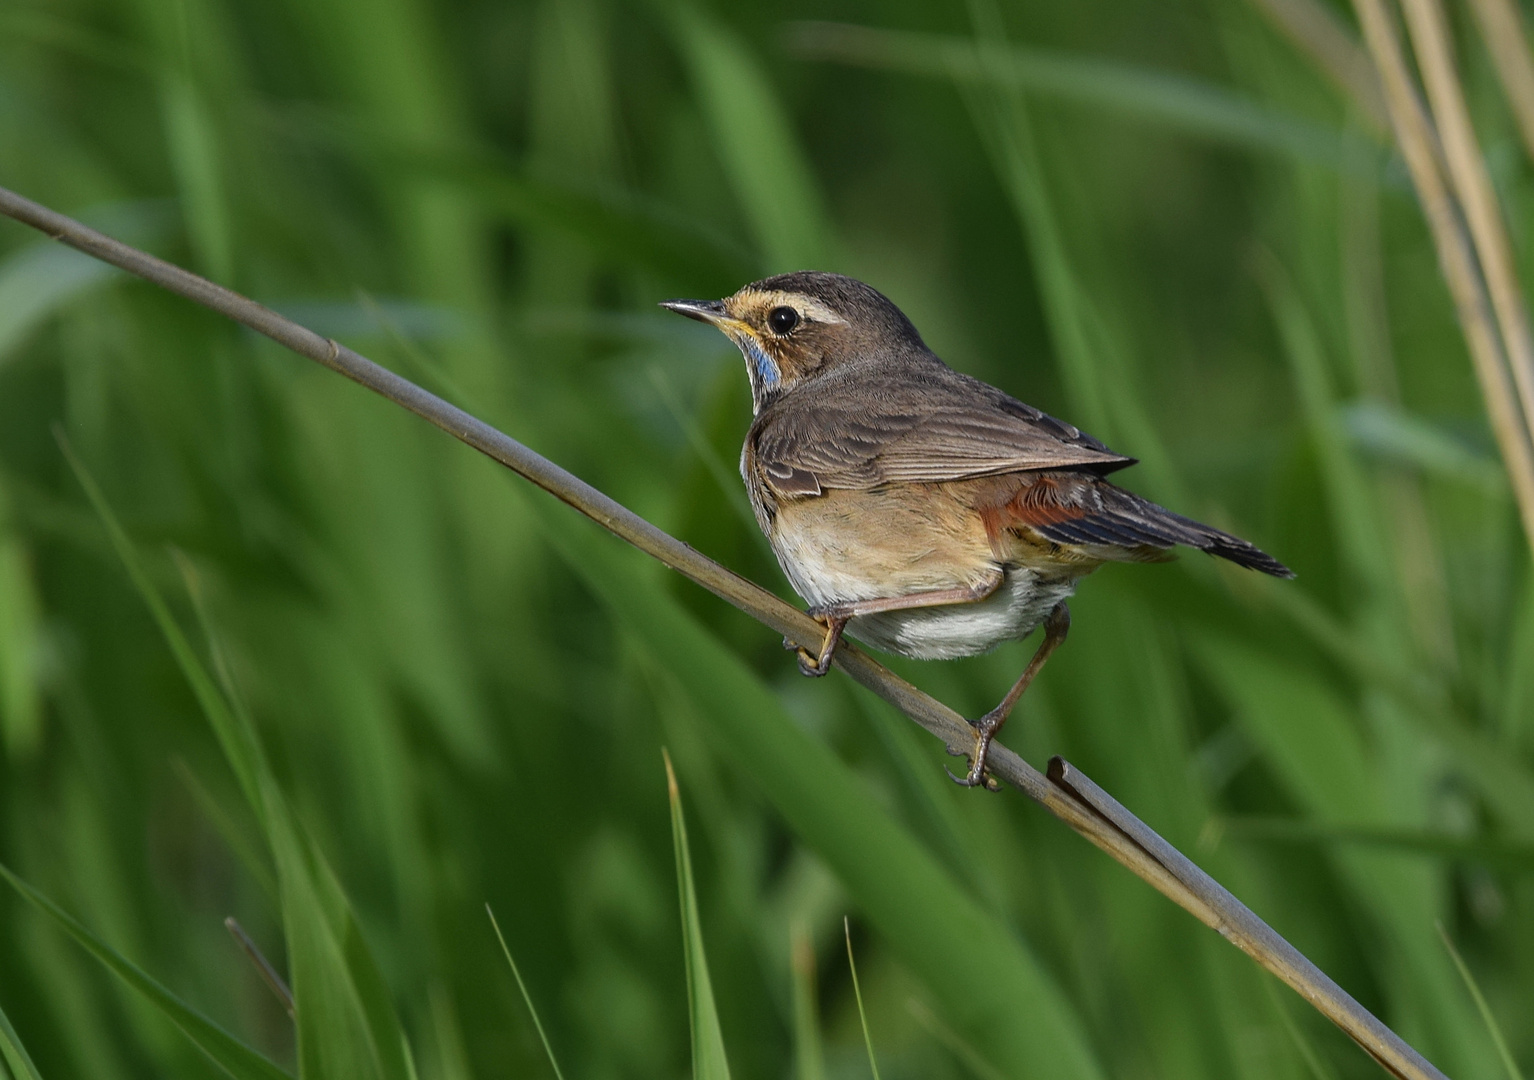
{"points": [[835, 617], [1056, 626]]}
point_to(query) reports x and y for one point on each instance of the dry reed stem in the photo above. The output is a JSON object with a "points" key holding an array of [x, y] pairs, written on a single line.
{"points": [[1456, 256], [1472, 184], [1064, 792], [1502, 30]]}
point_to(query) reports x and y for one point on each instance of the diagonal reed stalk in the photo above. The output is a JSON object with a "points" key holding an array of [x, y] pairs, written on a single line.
{"points": [[1466, 223], [1063, 791], [1502, 30]]}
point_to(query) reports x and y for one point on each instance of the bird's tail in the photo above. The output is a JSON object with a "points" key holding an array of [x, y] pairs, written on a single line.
{"points": [[1108, 517]]}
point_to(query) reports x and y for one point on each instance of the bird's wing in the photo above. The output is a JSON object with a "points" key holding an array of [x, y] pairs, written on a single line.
{"points": [[912, 439]]}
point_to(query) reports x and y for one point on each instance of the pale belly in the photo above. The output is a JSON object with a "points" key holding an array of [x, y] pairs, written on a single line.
{"points": [[1021, 602], [847, 547], [942, 633]]}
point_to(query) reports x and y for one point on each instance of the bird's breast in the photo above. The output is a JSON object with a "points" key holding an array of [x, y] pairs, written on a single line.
{"points": [[845, 546]]}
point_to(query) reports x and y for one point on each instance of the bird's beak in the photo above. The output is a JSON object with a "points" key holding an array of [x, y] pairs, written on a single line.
{"points": [[709, 311]]}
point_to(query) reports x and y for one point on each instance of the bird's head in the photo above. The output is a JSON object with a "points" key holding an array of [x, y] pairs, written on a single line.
{"points": [[797, 327]]}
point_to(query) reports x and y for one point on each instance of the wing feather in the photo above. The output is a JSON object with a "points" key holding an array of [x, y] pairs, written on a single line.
{"points": [[955, 428]]}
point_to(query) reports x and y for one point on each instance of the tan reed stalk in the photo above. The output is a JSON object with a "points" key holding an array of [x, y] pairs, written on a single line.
{"points": [[1472, 184], [1457, 254], [1064, 791], [1502, 30]]}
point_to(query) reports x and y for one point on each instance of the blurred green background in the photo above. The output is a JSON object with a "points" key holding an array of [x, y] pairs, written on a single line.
{"points": [[1154, 219]]}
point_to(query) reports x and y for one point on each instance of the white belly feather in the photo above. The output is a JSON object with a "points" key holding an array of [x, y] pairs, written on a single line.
{"points": [[943, 633], [1022, 601]]}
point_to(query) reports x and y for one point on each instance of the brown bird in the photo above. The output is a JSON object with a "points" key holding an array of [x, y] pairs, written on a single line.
{"points": [[920, 510]]}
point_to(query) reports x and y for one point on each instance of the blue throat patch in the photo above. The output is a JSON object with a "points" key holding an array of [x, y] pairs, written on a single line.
{"points": [[766, 370]]}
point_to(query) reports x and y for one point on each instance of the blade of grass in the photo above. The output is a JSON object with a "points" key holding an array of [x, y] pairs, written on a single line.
{"points": [[773, 181], [1492, 1027], [256, 862], [347, 1027], [1181, 104], [14, 1054], [1093, 362], [617, 224], [527, 998], [857, 993], [236, 739], [227, 1052], [21, 633], [1399, 437], [809, 1056], [708, 1057]]}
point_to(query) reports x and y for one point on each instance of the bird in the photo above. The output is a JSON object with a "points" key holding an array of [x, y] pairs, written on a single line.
{"points": [[918, 509]]}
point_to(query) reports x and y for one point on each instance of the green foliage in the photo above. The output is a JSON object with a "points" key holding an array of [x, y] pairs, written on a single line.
{"points": [[417, 685], [709, 1061]]}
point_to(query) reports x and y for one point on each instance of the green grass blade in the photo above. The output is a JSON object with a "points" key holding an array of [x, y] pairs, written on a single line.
{"points": [[1092, 359], [809, 1054], [1492, 1027], [15, 1055], [231, 1055], [21, 631], [527, 998], [236, 739], [1179, 103], [857, 993], [347, 1027], [620, 225], [1398, 437], [708, 1057], [767, 167]]}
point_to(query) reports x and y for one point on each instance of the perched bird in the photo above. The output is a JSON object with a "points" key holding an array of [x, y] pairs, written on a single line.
{"points": [[920, 510]]}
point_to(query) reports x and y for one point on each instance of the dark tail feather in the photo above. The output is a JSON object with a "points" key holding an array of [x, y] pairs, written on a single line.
{"points": [[1174, 527], [1121, 518]]}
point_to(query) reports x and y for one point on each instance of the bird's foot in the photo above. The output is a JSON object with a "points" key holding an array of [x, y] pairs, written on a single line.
{"points": [[985, 730], [815, 665]]}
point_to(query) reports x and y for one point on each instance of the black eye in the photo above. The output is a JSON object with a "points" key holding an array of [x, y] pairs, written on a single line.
{"points": [[782, 320]]}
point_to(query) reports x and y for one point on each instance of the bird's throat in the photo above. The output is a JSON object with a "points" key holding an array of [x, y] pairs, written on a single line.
{"points": [[765, 375]]}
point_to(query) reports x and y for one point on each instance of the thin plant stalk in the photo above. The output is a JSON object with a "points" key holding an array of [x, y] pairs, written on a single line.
{"points": [[1502, 30], [1434, 48], [1456, 255], [857, 992], [1065, 792]]}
